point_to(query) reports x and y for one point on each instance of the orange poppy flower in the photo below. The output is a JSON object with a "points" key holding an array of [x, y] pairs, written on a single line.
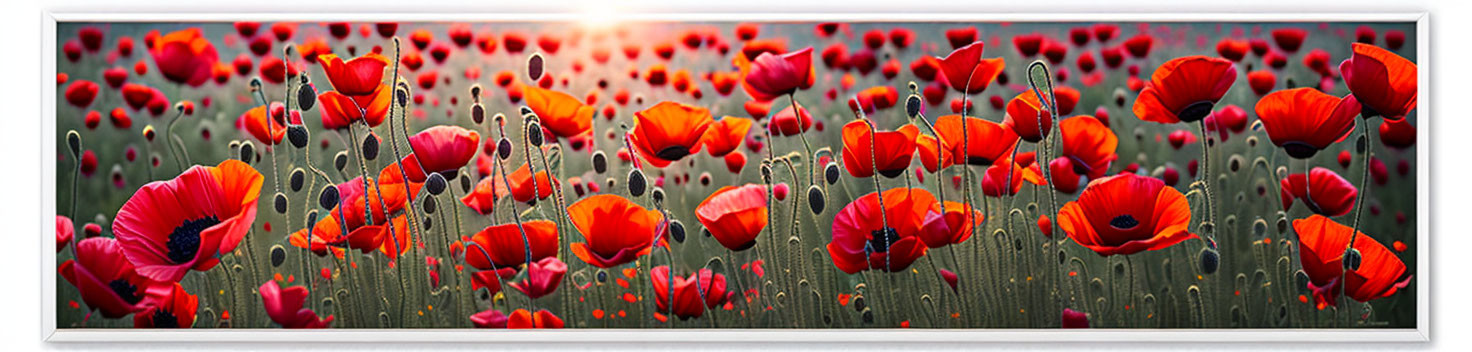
{"points": [[735, 215], [339, 111], [1185, 89], [542, 319], [561, 113], [1304, 121], [1383, 81], [967, 72], [359, 76], [985, 143], [997, 175], [1088, 144], [669, 131], [863, 239], [1125, 214], [502, 245], [890, 152], [255, 123], [1321, 246], [617, 231], [1024, 112], [725, 135]]}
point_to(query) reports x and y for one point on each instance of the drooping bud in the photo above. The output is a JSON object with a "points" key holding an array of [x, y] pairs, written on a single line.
{"points": [[913, 106], [478, 113], [280, 203], [401, 95], [465, 184], [657, 195], [600, 162], [340, 161], [503, 148], [430, 205], [534, 66], [306, 96], [370, 147], [247, 152], [298, 177], [74, 142], [298, 136], [636, 182], [816, 199], [534, 133], [149, 133], [1210, 261], [278, 255], [435, 184], [312, 217], [831, 173], [677, 231], [1352, 259], [328, 197]]}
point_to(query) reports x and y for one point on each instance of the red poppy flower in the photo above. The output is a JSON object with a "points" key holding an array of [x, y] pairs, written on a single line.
{"points": [[863, 239], [1398, 134], [1088, 144], [669, 131], [997, 175], [442, 149], [769, 76], [1262, 81], [185, 57], [1185, 89], [1289, 39], [1139, 45], [339, 111], [542, 277], [735, 215], [967, 72], [563, 114], [330, 233], [64, 232], [1304, 120], [725, 135], [1073, 319], [1231, 49], [889, 153], [172, 308], [692, 296], [524, 319], [986, 142], [1322, 190], [490, 319], [1025, 113], [617, 231], [1383, 81], [105, 279], [949, 225], [256, 120], [1321, 247], [501, 246], [787, 123], [1125, 214], [81, 93], [285, 307], [169, 227], [359, 76]]}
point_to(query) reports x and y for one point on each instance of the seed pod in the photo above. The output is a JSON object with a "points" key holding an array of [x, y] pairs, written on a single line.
{"points": [[278, 255], [534, 134], [534, 66], [247, 152], [816, 200], [478, 113], [149, 133], [328, 198], [280, 203], [503, 148], [298, 136], [912, 106], [298, 178], [370, 147], [636, 182], [465, 184], [600, 162], [1210, 261], [435, 184], [430, 205], [831, 173], [74, 141], [1352, 259], [306, 97], [312, 217], [657, 195], [677, 231]]}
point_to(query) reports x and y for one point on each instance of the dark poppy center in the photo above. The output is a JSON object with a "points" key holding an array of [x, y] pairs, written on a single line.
{"points": [[978, 161], [164, 319], [125, 290], [1300, 150], [1124, 222], [673, 152], [1196, 111], [184, 241], [879, 240], [892, 173]]}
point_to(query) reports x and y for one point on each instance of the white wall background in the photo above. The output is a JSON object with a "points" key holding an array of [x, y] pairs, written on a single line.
{"points": [[20, 23]]}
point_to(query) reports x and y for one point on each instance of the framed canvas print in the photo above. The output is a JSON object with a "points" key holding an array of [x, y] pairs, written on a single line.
{"points": [[732, 177]]}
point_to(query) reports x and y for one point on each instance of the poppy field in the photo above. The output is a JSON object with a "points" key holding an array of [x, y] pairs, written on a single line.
{"points": [[736, 175]]}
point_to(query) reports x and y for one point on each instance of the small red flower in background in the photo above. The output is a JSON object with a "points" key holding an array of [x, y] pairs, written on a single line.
{"points": [[1322, 243], [1397, 134], [863, 239], [887, 152], [769, 75], [65, 231], [1185, 89], [81, 93], [1322, 190], [170, 227], [1382, 81], [285, 307], [1303, 120], [668, 132], [185, 57], [735, 215], [1125, 214], [1289, 39], [967, 72], [692, 296], [725, 135], [617, 231]]}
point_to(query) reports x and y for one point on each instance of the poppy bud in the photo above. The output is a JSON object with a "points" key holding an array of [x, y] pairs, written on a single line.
{"points": [[1352, 259], [913, 106], [677, 231], [280, 203], [478, 113], [149, 132], [766, 173], [1302, 279], [340, 161], [657, 195], [1252, 141], [1119, 97], [705, 179], [298, 135], [306, 97], [428, 223], [527, 112], [600, 162], [298, 177], [816, 199], [636, 182], [430, 205], [1235, 162], [602, 276], [1290, 83], [435, 184], [1359, 144], [74, 141], [831, 173], [401, 96], [278, 255], [465, 184], [247, 152], [312, 217], [328, 198], [534, 134], [1210, 260], [475, 93], [370, 147], [534, 66]]}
